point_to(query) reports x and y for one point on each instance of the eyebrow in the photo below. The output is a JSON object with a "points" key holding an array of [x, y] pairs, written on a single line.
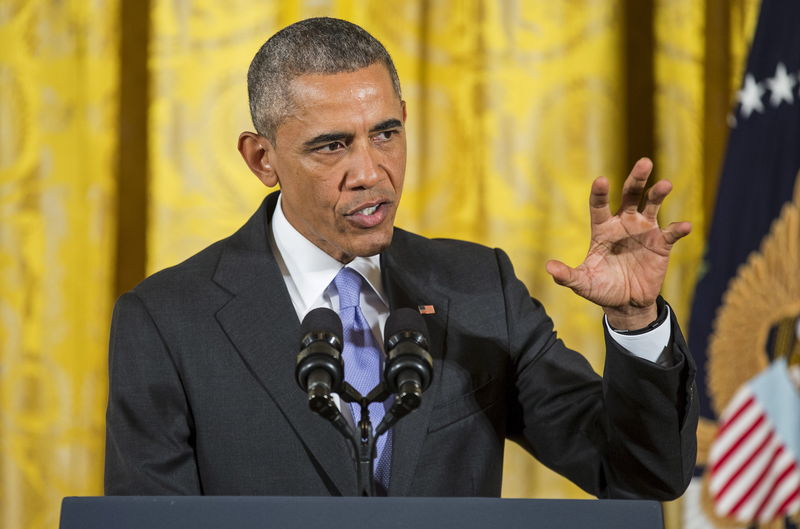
{"points": [[330, 137], [387, 124]]}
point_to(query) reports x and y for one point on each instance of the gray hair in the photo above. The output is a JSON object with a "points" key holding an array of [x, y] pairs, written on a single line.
{"points": [[312, 46]]}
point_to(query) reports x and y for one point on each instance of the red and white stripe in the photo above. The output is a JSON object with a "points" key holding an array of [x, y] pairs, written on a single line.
{"points": [[754, 476]]}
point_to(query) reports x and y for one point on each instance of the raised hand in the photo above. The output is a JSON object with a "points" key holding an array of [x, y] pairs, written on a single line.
{"points": [[628, 254]]}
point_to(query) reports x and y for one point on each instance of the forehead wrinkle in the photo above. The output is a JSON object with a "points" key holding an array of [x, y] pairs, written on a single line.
{"points": [[339, 126], [319, 98]]}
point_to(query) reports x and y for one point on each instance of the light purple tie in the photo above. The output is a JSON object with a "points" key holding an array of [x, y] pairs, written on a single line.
{"points": [[362, 364]]}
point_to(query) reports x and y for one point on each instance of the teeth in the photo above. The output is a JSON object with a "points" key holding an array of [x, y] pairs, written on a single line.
{"points": [[369, 210]]}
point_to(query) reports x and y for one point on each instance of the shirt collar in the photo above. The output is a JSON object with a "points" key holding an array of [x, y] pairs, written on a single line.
{"points": [[311, 269]]}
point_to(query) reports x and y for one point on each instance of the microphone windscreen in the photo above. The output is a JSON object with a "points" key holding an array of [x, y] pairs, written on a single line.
{"points": [[405, 319], [322, 319]]}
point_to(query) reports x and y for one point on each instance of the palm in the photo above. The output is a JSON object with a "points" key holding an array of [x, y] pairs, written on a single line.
{"points": [[628, 254], [626, 263]]}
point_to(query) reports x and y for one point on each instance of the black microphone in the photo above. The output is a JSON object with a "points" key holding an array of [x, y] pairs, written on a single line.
{"points": [[320, 368], [409, 365]]}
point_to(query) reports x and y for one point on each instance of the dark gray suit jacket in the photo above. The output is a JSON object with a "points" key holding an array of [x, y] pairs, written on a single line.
{"points": [[203, 400]]}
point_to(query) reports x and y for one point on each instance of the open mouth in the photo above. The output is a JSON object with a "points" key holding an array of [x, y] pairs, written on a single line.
{"points": [[368, 211], [369, 215]]}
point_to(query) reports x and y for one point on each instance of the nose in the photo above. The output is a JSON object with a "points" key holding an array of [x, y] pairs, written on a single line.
{"points": [[364, 171]]}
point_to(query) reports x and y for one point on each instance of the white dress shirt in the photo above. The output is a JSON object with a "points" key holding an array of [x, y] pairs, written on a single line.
{"points": [[308, 273]]}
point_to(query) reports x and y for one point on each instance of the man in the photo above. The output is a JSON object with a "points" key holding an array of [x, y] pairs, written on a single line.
{"points": [[202, 394]]}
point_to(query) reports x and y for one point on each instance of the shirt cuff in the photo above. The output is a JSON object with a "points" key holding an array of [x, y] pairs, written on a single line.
{"points": [[648, 345]]}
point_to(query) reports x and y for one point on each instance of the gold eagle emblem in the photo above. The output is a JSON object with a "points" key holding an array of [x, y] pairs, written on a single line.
{"points": [[756, 322]]}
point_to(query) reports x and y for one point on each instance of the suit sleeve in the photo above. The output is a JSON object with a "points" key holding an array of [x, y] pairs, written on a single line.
{"points": [[149, 448], [630, 434]]}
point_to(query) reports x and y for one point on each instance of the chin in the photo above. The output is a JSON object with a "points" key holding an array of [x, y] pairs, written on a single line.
{"points": [[373, 246]]}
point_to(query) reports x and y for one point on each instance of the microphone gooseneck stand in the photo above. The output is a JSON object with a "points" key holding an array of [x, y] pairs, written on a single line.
{"points": [[320, 372], [363, 438]]}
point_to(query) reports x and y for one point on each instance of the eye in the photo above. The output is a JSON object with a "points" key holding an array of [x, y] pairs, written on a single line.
{"points": [[384, 135], [330, 147]]}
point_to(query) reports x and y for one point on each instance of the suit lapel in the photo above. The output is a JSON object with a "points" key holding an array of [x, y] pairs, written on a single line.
{"points": [[408, 283], [261, 323]]}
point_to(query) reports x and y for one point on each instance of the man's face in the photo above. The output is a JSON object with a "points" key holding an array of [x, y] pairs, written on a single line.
{"points": [[340, 160]]}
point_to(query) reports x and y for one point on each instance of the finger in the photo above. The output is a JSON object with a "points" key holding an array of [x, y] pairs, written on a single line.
{"points": [[562, 274], [598, 201], [675, 231], [655, 197], [633, 189]]}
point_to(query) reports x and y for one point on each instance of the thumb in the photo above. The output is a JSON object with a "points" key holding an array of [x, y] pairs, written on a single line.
{"points": [[561, 273]]}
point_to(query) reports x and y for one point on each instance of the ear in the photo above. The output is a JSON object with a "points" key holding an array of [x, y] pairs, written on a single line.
{"points": [[403, 104], [256, 151]]}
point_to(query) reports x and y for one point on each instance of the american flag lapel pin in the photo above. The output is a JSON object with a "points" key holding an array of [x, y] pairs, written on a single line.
{"points": [[426, 309]]}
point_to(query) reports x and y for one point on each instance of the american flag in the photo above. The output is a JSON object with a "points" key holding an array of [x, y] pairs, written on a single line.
{"points": [[760, 168], [754, 466], [761, 165]]}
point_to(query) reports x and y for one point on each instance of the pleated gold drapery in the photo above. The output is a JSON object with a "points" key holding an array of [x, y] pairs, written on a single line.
{"points": [[514, 107], [58, 122]]}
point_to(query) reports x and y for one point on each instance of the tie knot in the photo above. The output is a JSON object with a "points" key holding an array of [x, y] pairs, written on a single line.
{"points": [[348, 283]]}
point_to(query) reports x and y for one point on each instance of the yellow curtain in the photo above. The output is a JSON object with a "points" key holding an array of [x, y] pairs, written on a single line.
{"points": [[514, 108], [58, 73], [699, 51]]}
